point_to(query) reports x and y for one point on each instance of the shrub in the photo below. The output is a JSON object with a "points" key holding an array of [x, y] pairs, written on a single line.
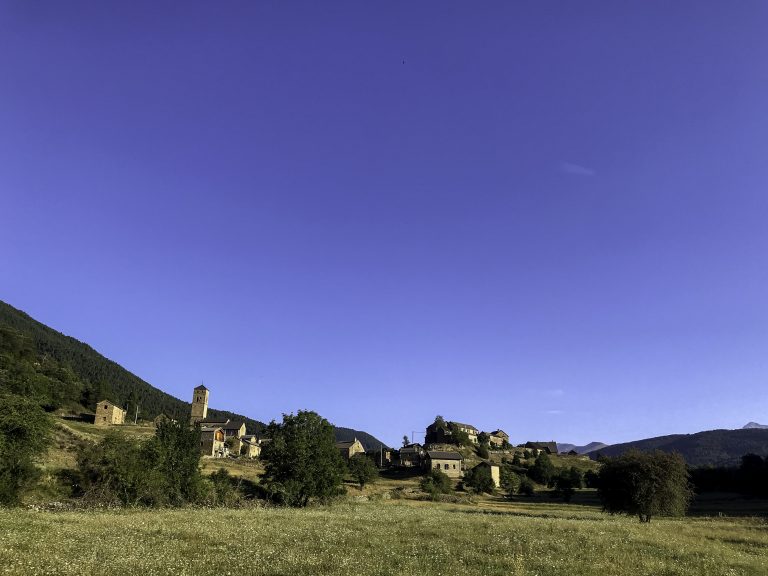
{"points": [[526, 486], [645, 484], [542, 470], [479, 479], [24, 433], [362, 469], [436, 482]]}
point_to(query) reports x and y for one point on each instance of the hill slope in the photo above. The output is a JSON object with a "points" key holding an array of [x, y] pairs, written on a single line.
{"points": [[710, 448], [61, 372], [586, 449]]}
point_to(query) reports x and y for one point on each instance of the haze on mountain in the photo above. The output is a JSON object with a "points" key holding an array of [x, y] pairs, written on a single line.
{"points": [[751, 425]]}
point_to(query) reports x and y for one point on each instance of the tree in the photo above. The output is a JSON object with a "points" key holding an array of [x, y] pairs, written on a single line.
{"points": [[645, 484], [483, 438], [302, 460], [526, 486], [479, 479], [24, 434], [174, 453], [542, 470], [516, 460], [567, 482], [509, 480], [436, 482], [406, 441], [362, 469], [482, 451]]}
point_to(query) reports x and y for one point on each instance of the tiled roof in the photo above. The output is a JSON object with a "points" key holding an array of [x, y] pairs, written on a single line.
{"points": [[440, 455]]}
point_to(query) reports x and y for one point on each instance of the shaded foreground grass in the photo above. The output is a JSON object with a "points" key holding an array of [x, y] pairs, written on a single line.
{"points": [[376, 538]]}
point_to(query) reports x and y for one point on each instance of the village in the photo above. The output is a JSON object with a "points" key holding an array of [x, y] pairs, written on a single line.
{"points": [[225, 438]]}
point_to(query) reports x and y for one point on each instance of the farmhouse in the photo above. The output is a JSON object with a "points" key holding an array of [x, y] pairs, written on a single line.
{"points": [[448, 462], [548, 447], [212, 442], [411, 455], [350, 448], [468, 429], [498, 438], [107, 414], [250, 446]]}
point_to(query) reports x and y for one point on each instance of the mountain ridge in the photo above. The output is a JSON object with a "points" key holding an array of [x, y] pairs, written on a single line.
{"points": [[62, 372]]}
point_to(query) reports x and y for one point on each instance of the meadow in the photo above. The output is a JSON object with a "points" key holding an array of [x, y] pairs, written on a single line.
{"points": [[394, 537]]}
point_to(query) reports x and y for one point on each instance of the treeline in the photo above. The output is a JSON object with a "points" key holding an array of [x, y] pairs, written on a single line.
{"points": [[58, 371], [750, 478]]}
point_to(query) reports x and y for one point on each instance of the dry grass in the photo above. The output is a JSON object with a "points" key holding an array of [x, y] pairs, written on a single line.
{"points": [[394, 538]]}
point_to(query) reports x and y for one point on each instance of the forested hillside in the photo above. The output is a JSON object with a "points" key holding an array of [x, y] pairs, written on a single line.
{"points": [[710, 448], [60, 372]]}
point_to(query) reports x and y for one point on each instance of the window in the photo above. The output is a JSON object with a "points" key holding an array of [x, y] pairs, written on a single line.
{"points": [[437, 465], [446, 466], [105, 406]]}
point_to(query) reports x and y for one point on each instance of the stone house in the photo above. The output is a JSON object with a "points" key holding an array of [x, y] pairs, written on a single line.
{"points": [[412, 455], [498, 438], [108, 414], [250, 446], [468, 429], [548, 447], [212, 442], [448, 462], [350, 448]]}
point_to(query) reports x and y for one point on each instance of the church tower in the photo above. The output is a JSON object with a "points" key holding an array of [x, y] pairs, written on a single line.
{"points": [[199, 404]]}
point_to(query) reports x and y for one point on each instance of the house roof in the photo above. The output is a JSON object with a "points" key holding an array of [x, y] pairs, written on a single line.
{"points": [[460, 425], [441, 455], [201, 387], [346, 443], [488, 464], [209, 428], [234, 425], [550, 447], [219, 421], [499, 433]]}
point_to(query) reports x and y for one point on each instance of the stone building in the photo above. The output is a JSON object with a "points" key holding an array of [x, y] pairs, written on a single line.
{"points": [[350, 448], [250, 446], [212, 442], [448, 462], [412, 455], [468, 429], [107, 414], [199, 405], [498, 438], [548, 447]]}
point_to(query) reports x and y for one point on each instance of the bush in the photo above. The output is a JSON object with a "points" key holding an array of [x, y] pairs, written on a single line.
{"points": [[542, 471], [24, 433], [436, 482], [224, 488], [479, 479], [362, 469], [509, 480], [482, 451], [526, 486], [645, 484]]}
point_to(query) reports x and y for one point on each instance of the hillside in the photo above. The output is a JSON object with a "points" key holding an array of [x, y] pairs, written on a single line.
{"points": [[63, 373], [710, 448], [369, 442]]}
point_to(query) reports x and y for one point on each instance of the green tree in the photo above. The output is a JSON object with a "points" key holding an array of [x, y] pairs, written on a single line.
{"points": [[405, 440], [24, 434], [174, 453], [566, 482], [302, 460], [542, 470], [362, 469], [645, 484], [509, 480], [483, 438], [482, 451], [479, 479], [526, 486], [436, 482]]}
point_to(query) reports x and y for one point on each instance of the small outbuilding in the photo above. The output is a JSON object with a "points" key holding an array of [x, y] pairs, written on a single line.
{"points": [[448, 462], [108, 414], [350, 448]]}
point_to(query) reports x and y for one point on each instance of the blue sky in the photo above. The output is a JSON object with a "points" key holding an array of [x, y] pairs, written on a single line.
{"points": [[544, 217]]}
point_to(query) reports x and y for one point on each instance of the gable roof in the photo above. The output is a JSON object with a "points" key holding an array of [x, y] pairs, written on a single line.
{"points": [[442, 455], [550, 447], [219, 421], [233, 425], [461, 425], [346, 443], [499, 433], [201, 387]]}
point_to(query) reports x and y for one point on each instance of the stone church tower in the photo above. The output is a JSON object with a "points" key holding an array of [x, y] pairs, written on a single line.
{"points": [[199, 404]]}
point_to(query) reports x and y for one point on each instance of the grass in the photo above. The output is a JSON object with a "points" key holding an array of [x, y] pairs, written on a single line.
{"points": [[378, 537]]}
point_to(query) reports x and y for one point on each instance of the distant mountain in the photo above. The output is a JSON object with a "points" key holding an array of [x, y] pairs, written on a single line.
{"points": [[755, 426], [61, 372], [591, 447], [710, 448], [369, 442]]}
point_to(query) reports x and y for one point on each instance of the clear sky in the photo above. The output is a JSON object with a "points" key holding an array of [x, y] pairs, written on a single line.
{"points": [[549, 217]]}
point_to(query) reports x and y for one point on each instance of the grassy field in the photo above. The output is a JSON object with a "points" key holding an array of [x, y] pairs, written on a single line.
{"points": [[395, 537]]}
